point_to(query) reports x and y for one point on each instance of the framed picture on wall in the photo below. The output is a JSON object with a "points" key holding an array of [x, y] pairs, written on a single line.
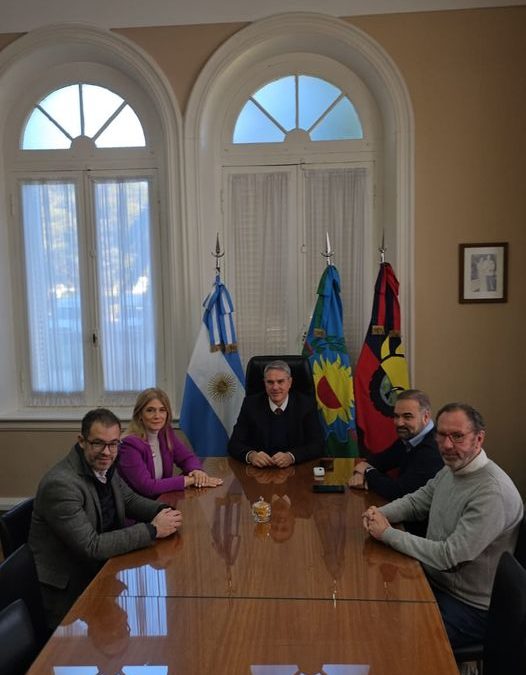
{"points": [[483, 272]]}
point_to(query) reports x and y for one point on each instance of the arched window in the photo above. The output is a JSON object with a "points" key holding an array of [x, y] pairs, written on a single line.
{"points": [[304, 167], [90, 250], [90, 141], [300, 125]]}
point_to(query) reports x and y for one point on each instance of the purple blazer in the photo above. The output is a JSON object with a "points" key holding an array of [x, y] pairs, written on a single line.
{"points": [[135, 464]]}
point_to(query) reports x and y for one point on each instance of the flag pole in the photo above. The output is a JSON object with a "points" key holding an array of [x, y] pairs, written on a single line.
{"points": [[382, 249], [217, 255], [328, 253], [215, 382]]}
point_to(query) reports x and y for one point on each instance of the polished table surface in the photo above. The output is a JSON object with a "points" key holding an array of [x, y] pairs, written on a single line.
{"points": [[301, 594]]}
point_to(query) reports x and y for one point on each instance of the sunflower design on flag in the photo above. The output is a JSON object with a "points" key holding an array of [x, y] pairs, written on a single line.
{"points": [[333, 384], [331, 368]]}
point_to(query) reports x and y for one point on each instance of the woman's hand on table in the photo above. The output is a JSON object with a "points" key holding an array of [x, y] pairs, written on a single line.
{"points": [[201, 479]]}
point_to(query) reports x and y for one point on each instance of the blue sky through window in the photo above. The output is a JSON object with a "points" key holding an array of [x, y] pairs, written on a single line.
{"points": [[82, 110], [297, 102]]}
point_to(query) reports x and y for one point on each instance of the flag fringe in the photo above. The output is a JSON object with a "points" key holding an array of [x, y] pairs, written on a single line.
{"points": [[226, 349]]}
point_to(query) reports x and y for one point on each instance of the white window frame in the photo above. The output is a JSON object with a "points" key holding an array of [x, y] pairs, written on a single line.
{"points": [[31, 67], [211, 112], [86, 231]]}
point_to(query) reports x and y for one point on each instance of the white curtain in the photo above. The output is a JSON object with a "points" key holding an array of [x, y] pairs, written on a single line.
{"points": [[276, 252], [258, 230], [335, 202], [53, 293], [125, 288]]}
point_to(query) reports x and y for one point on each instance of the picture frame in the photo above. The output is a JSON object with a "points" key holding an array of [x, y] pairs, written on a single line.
{"points": [[483, 272]]}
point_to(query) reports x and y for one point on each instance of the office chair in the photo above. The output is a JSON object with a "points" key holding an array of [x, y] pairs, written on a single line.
{"points": [[520, 548], [14, 526], [504, 649], [300, 370], [19, 581], [17, 638]]}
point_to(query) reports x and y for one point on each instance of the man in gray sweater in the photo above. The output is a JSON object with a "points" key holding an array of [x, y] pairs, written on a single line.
{"points": [[79, 515], [474, 512]]}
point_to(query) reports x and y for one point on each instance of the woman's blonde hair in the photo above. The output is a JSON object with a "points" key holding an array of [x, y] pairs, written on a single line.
{"points": [[136, 425]]}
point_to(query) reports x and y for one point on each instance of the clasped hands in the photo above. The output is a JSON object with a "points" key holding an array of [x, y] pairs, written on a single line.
{"points": [[280, 459], [375, 522], [201, 479]]}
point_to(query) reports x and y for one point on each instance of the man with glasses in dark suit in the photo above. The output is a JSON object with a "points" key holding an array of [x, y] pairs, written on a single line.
{"points": [[80, 512]]}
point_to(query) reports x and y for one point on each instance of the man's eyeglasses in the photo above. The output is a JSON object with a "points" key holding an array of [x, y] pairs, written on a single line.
{"points": [[456, 437], [99, 446]]}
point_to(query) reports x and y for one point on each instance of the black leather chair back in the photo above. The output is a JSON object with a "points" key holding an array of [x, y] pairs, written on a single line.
{"points": [[520, 549], [14, 526], [505, 643], [19, 581], [300, 369], [17, 638]]}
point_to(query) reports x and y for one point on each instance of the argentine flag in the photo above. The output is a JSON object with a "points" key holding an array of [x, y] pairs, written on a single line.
{"points": [[215, 384]]}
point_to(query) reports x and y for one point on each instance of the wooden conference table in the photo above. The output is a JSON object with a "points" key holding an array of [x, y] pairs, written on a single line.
{"points": [[307, 593]]}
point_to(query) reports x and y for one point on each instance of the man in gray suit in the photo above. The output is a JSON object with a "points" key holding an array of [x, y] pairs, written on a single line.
{"points": [[79, 515]]}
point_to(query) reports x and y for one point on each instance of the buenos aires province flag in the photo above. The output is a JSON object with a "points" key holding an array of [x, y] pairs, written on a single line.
{"points": [[326, 349], [215, 384]]}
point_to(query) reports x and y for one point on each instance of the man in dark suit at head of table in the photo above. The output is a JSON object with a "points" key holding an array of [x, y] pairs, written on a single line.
{"points": [[80, 513], [414, 454], [278, 427]]}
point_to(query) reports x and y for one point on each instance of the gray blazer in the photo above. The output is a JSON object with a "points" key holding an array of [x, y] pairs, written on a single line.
{"points": [[66, 530]]}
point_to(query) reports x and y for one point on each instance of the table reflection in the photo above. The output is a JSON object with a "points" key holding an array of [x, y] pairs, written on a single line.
{"points": [[125, 670], [253, 637], [326, 669]]}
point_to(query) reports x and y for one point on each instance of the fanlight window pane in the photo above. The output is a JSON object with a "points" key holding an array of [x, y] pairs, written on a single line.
{"points": [[275, 98], [53, 287], [341, 123], [297, 103], [315, 96], [41, 134], [99, 105], [82, 110], [63, 106], [122, 210], [253, 126], [124, 132]]}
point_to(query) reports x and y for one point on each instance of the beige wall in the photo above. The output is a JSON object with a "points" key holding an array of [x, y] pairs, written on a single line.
{"points": [[465, 72], [466, 75]]}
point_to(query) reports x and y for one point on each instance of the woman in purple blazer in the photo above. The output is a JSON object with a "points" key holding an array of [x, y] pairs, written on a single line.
{"points": [[150, 449]]}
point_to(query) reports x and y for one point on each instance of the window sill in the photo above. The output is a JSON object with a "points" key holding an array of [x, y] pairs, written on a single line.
{"points": [[51, 420]]}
